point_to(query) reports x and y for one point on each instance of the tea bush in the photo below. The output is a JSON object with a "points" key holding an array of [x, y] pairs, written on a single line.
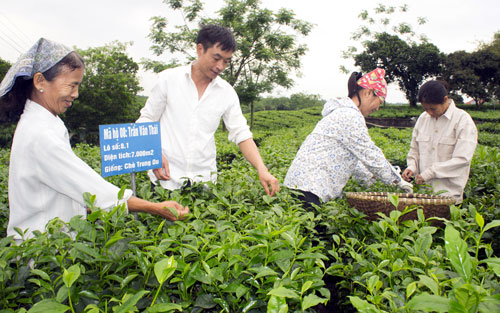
{"points": [[240, 250]]}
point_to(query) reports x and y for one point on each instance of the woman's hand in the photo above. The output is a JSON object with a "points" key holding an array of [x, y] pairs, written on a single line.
{"points": [[162, 210], [419, 180], [407, 174]]}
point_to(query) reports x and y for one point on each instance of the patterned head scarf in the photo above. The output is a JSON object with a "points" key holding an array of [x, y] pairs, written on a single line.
{"points": [[39, 58], [375, 80]]}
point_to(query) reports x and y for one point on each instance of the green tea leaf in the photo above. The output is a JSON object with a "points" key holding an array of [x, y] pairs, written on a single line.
{"points": [[86, 249], [429, 303], [283, 292], [49, 305], [479, 220], [306, 286], [88, 294], [394, 199], [249, 306], [130, 303], [127, 280], [294, 273], [205, 301], [71, 275], [174, 212], [223, 303], [456, 249], [41, 273], [265, 271], [121, 192], [165, 307], [164, 269], [494, 264], [277, 305], [491, 224], [117, 236], [429, 283], [62, 294], [363, 306], [410, 289], [371, 283], [312, 300]]}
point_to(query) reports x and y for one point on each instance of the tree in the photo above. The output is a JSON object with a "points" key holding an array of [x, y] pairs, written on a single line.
{"points": [[108, 91], [491, 51], [408, 64], [6, 127], [417, 58], [4, 68], [267, 54], [477, 73]]}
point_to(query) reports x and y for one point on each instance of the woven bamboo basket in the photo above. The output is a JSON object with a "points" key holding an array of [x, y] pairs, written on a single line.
{"points": [[371, 203]]}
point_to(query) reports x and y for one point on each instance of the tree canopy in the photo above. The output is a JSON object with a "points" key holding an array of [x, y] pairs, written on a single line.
{"points": [[388, 40], [408, 64], [268, 49], [108, 91], [4, 68], [477, 73], [296, 101]]}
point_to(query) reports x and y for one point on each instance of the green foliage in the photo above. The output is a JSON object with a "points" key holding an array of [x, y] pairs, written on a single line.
{"points": [[107, 94], [4, 68], [296, 101], [476, 73], [240, 250], [267, 52], [408, 64], [380, 19]]}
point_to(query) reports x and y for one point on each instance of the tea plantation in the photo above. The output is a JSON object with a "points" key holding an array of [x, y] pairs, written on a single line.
{"points": [[240, 250]]}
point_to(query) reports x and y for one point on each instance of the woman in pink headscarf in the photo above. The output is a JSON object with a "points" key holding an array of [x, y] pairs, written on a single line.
{"points": [[340, 146]]}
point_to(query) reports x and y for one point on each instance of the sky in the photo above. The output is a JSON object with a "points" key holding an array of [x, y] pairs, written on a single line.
{"points": [[451, 25]]}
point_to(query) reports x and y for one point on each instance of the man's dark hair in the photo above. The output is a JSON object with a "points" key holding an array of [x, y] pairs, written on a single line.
{"points": [[433, 92], [209, 35]]}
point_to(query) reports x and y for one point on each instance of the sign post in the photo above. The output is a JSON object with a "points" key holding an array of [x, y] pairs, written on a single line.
{"points": [[130, 148]]}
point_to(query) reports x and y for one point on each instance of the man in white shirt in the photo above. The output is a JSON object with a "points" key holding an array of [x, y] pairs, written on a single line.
{"points": [[189, 102], [443, 143]]}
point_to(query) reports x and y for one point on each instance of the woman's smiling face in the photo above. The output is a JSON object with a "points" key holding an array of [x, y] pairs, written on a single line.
{"points": [[58, 94]]}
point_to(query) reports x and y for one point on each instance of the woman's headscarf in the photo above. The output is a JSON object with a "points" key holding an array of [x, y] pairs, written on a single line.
{"points": [[375, 80], [39, 58]]}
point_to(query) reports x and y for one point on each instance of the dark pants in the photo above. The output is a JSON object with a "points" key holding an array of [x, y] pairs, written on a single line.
{"points": [[308, 198]]}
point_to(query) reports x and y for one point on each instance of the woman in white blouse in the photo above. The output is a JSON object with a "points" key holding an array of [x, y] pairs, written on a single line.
{"points": [[340, 146], [46, 179]]}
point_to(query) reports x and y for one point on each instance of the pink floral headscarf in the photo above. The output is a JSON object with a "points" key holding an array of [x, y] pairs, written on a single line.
{"points": [[375, 80]]}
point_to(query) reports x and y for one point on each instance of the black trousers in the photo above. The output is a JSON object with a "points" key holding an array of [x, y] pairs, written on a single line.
{"points": [[308, 198]]}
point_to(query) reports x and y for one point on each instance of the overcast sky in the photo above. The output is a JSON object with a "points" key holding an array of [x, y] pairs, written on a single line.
{"points": [[451, 25]]}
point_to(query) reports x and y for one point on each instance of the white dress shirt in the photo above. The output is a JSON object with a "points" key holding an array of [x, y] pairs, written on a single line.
{"points": [[442, 148], [188, 124], [46, 179], [339, 147]]}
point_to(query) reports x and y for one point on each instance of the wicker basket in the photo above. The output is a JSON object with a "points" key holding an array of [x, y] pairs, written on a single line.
{"points": [[372, 202]]}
